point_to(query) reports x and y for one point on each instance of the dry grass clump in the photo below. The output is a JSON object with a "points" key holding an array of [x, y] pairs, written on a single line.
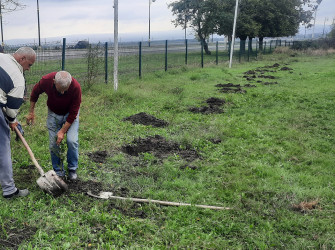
{"points": [[309, 52], [319, 52], [283, 50], [305, 206]]}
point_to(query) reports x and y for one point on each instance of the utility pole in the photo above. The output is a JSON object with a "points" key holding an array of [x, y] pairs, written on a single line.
{"points": [[149, 19], [116, 43], [2, 43], [314, 23], [324, 26], [38, 23], [233, 37]]}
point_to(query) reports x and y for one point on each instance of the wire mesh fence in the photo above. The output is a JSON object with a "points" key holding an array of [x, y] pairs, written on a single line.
{"points": [[95, 62]]}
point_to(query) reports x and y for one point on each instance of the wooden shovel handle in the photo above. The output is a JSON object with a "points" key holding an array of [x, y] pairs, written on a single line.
{"points": [[29, 151]]}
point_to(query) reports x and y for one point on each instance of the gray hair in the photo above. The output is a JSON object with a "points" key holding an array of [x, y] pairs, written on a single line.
{"points": [[26, 51], [63, 79]]}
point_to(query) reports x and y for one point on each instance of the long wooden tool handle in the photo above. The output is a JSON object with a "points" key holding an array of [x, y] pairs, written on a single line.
{"points": [[29, 151], [166, 203]]}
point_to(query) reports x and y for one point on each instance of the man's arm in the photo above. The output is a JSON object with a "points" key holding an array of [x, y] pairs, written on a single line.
{"points": [[31, 116]]}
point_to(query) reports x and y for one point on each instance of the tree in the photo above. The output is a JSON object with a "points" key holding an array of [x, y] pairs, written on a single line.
{"points": [[331, 34], [282, 17], [197, 14], [11, 5]]}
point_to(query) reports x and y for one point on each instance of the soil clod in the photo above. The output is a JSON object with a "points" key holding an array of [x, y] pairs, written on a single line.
{"points": [[146, 119]]}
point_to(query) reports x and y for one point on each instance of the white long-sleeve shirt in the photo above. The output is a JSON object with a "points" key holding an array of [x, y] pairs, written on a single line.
{"points": [[12, 86]]}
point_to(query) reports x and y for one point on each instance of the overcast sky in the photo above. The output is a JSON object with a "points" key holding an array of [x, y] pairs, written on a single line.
{"points": [[61, 18]]}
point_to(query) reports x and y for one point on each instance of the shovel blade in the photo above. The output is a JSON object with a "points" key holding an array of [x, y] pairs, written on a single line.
{"points": [[51, 183]]}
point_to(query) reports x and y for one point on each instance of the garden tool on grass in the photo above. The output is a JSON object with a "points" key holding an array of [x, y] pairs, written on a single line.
{"points": [[49, 182]]}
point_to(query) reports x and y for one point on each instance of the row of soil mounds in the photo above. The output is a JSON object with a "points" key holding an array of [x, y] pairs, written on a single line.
{"points": [[262, 72]]}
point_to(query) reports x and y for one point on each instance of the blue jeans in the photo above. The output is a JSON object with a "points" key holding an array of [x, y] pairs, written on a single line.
{"points": [[54, 124], [6, 169]]}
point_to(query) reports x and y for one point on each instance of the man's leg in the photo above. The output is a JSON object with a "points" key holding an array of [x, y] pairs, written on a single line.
{"points": [[54, 124], [6, 170], [73, 146]]}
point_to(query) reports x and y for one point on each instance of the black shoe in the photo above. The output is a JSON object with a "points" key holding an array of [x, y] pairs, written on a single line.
{"points": [[73, 175], [18, 193]]}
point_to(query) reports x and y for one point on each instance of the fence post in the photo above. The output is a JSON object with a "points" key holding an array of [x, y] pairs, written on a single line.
{"points": [[249, 45], [217, 52], [166, 51], [264, 48], [106, 62], [140, 60], [202, 54], [63, 54], [228, 49], [186, 45], [256, 49]]}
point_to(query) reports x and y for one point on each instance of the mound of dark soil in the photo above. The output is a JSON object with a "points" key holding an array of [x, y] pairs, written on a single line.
{"points": [[146, 119], [98, 156], [206, 110], [213, 107], [160, 147], [270, 83], [286, 68], [213, 101], [266, 77], [249, 85], [227, 85], [230, 88]]}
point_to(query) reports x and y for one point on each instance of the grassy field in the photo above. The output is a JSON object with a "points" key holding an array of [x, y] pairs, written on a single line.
{"points": [[268, 157]]}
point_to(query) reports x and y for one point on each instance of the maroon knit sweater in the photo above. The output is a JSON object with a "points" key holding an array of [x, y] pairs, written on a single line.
{"points": [[60, 104]]}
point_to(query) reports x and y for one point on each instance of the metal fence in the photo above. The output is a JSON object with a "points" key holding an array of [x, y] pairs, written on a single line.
{"points": [[138, 58]]}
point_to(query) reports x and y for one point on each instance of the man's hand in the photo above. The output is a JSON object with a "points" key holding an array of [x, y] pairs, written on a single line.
{"points": [[30, 118], [13, 125], [60, 137], [19, 127]]}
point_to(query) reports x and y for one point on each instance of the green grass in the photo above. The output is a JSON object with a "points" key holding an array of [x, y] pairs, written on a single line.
{"points": [[276, 151]]}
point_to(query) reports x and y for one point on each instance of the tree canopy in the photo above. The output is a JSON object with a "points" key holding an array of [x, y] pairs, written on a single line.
{"points": [[256, 18]]}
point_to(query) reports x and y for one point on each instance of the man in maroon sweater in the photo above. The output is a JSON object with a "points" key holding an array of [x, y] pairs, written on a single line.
{"points": [[64, 98]]}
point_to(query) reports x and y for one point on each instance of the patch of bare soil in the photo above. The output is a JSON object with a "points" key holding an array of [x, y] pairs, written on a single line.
{"points": [[160, 147], [11, 236], [230, 88], [82, 187], [146, 119], [98, 156]]}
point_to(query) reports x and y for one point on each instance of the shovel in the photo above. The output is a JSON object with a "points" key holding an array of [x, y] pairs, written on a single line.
{"points": [[49, 182]]}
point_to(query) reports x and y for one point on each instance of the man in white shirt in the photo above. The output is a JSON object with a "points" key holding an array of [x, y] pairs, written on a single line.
{"points": [[12, 87]]}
